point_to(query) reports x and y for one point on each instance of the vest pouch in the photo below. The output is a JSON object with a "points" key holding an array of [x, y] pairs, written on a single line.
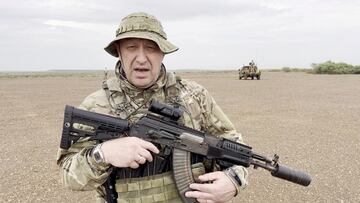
{"points": [[157, 188]]}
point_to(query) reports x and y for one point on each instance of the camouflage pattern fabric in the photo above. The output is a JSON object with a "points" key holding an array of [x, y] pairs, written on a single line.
{"points": [[80, 172]]}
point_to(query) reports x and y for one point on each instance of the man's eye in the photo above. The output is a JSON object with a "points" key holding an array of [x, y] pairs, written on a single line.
{"points": [[130, 46], [151, 47]]}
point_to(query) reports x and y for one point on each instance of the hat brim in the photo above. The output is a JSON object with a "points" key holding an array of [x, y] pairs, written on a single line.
{"points": [[165, 46]]}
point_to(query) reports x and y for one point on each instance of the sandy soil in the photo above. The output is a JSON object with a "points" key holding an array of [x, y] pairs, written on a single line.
{"points": [[311, 121]]}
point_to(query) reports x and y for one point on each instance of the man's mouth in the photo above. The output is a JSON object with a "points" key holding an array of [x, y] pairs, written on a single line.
{"points": [[141, 69], [141, 72]]}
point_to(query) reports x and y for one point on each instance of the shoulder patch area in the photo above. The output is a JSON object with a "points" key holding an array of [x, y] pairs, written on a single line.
{"points": [[96, 102], [190, 89]]}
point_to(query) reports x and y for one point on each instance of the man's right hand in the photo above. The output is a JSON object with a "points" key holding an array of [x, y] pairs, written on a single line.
{"points": [[128, 152]]}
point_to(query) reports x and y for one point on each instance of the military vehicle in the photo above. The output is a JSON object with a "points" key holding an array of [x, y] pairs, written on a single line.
{"points": [[250, 70]]}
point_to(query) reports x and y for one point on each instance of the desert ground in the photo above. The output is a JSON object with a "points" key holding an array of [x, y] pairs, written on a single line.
{"points": [[311, 121]]}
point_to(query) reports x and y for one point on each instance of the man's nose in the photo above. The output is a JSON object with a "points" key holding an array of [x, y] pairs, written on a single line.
{"points": [[141, 56]]}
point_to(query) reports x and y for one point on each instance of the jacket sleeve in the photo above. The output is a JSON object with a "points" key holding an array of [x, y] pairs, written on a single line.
{"points": [[78, 170], [217, 123]]}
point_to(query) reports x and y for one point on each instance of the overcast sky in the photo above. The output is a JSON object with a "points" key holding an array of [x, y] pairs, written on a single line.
{"points": [[211, 34]]}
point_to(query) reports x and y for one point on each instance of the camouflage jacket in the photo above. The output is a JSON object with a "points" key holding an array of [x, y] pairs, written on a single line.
{"points": [[119, 98]]}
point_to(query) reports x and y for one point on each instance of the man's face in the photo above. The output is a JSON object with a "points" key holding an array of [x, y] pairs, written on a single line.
{"points": [[141, 61]]}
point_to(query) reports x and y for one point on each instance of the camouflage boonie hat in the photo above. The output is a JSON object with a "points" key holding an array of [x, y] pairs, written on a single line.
{"points": [[144, 26]]}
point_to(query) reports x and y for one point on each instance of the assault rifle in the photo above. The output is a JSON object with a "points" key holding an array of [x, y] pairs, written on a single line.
{"points": [[161, 126]]}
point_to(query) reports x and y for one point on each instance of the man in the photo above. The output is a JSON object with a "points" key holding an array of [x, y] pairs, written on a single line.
{"points": [[252, 63], [143, 170]]}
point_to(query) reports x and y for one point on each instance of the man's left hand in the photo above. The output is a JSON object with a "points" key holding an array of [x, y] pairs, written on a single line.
{"points": [[221, 189]]}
